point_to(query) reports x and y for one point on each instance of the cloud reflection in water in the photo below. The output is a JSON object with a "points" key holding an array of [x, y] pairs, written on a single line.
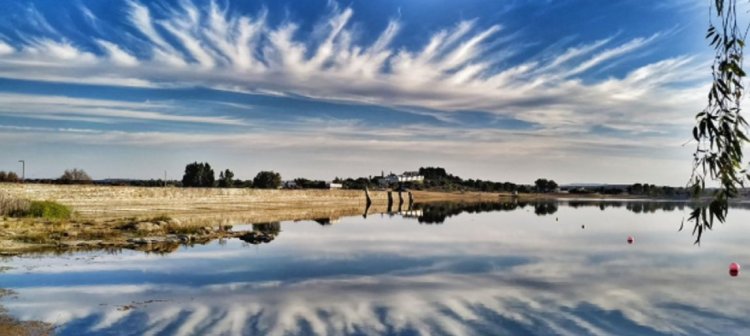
{"points": [[506, 272]]}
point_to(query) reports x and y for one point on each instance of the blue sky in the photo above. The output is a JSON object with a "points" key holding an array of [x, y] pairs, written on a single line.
{"points": [[577, 91]]}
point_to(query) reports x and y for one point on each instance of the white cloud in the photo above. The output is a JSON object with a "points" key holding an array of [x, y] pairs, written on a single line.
{"points": [[117, 55], [6, 49], [559, 286], [611, 53], [65, 51], [462, 67], [96, 110], [455, 70]]}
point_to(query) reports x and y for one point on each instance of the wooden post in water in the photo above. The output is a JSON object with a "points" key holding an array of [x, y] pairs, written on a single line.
{"points": [[367, 209], [390, 200], [411, 199], [400, 200], [367, 195]]}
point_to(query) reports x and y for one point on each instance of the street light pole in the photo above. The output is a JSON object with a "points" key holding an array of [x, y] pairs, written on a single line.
{"points": [[23, 170]]}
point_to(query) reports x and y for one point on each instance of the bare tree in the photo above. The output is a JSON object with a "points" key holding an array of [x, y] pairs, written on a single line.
{"points": [[75, 175]]}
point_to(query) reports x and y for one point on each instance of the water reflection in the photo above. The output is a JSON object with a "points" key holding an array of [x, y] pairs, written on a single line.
{"points": [[437, 213], [490, 269], [262, 233]]}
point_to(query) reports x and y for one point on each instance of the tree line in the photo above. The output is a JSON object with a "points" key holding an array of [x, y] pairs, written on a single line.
{"points": [[70, 176], [438, 179], [201, 175], [9, 177]]}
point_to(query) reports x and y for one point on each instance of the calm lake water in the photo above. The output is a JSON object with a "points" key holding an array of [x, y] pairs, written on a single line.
{"points": [[496, 269]]}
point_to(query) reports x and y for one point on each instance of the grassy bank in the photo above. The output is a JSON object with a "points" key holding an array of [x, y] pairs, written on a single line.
{"points": [[111, 216], [107, 202]]}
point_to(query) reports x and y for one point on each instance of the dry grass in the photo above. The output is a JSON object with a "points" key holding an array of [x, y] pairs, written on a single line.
{"points": [[115, 214], [118, 202], [13, 206]]}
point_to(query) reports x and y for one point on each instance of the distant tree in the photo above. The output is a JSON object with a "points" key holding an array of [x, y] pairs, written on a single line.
{"points": [[267, 180], [356, 184], [198, 175], [75, 175], [304, 183], [545, 185], [226, 179], [433, 173], [8, 177]]}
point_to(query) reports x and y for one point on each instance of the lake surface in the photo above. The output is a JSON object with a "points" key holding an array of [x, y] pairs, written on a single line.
{"points": [[487, 269]]}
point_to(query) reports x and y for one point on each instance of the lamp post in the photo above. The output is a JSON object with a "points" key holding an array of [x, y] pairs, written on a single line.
{"points": [[23, 170]]}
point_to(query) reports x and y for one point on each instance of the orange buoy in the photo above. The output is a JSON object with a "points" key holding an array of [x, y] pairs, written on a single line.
{"points": [[630, 239], [734, 269]]}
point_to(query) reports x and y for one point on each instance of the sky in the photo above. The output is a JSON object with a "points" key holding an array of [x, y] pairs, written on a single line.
{"points": [[573, 90]]}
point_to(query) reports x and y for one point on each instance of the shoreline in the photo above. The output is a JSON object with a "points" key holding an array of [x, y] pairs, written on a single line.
{"points": [[159, 219]]}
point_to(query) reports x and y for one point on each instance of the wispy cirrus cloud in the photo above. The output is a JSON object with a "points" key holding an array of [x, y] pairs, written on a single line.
{"points": [[97, 110], [461, 91], [456, 69]]}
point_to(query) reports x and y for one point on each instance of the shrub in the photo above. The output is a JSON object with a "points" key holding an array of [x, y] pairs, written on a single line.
{"points": [[13, 207], [49, 210]]}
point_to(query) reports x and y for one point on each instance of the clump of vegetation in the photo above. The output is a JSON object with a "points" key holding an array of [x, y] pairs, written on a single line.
{"points": [[49, 210], [159, 218], [13, 207], [17, 207]]}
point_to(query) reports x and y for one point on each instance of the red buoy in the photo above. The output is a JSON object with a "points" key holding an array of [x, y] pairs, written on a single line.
{"points": [[630, 239], [734, 269]]}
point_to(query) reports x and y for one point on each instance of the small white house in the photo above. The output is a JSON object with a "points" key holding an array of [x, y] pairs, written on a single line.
{"points": [[392, 179], [331, 185]]}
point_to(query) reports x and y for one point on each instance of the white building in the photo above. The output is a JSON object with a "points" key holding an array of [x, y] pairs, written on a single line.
{"points": [[331, 185], [392, 179]]}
